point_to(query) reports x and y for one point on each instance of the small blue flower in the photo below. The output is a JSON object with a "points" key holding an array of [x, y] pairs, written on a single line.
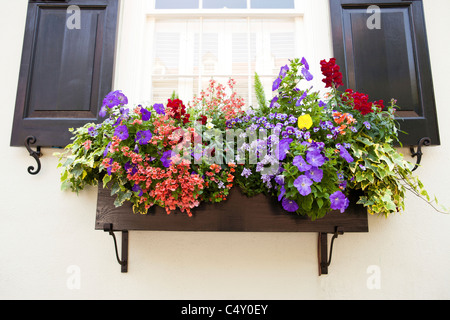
{"points": [[289, 205], [303, 185], [121, 132], [146, 115], [308, 76], [143, 137], [159, 108], [305, 63], [283, 71], [276, 84], [299, 101], [339, 201]]}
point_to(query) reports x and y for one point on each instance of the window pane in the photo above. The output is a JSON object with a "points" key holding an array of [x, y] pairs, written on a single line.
{"points": [[220, 4], [275, 44], [176, 4], [272, 4]]}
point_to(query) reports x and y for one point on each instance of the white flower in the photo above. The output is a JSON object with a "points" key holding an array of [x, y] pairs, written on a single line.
{"points": [[209, 125]]}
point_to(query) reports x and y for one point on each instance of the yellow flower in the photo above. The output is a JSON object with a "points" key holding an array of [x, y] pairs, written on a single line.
{"points": [[305, 122]]}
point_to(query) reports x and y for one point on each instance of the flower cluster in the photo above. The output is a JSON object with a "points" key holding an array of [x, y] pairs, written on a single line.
{"points": [[333, 77], [360, 102], [307, 151], [177, 110], [215, 102]]}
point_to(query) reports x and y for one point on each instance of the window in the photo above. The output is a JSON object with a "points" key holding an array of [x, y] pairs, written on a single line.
{"points": [[186, 43], [388, 60], [188, 52]]}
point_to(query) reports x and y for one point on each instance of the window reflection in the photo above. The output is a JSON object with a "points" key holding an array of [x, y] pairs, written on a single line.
{"points": [[220, 4], [271, 4], [176, 4]]}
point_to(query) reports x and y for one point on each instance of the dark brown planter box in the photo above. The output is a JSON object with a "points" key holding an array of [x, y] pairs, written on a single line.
{"points": [[238, 214]]}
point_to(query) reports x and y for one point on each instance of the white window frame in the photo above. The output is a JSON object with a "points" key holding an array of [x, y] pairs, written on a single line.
{"points": [[132, 67]]}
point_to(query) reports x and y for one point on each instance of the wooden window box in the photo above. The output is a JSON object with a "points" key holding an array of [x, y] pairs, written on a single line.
{"points": [[238, 214]]}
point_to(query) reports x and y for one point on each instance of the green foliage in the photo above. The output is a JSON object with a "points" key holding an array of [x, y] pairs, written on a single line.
{"points": [[260, 94], [357, 152]]}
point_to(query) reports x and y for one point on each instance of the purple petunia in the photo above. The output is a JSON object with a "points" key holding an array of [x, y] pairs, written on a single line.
{"points": [[283, 148], [146, 115], [308, 76], [103, 111], [299, 101], [346, 155], [114, 99], [130, 168], [121, 132], [143, 137], [301, 164], [315, 174], [279, 179], [105, 153], [137, 188], [166, 159], [123, 100], [124, 111], [276, 84], [282, 193], [159, 108], [305, 63], [303, 185], [289, 205], [109, 169], [274, 103], [339, 201], [315, 158], [283, 71]]}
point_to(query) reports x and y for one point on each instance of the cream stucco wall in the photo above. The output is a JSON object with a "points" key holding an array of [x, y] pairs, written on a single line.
{"points": [[45, 233]]}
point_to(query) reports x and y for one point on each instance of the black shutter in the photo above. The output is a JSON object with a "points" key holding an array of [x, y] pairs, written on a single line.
{"points": [[65, 72], [389, 60]]}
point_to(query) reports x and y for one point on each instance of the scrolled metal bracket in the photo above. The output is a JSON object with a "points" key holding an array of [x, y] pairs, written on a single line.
{"points": [[324, 259], [35, 154], [108, 227], [423, 142]]}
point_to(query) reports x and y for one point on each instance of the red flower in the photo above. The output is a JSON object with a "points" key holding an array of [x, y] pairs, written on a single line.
{"points": [[186, 118], [361, 102], [331, 72], [177, 107], [203, 119], [178, 110]]}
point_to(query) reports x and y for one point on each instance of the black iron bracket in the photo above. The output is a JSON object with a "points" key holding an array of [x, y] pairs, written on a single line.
{"points": [[108, 227], [35, 154], [324, 259], [423, 142]]}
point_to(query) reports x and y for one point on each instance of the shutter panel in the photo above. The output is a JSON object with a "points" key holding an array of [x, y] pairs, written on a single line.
{"points": [[389, 60], [66, 69]]}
